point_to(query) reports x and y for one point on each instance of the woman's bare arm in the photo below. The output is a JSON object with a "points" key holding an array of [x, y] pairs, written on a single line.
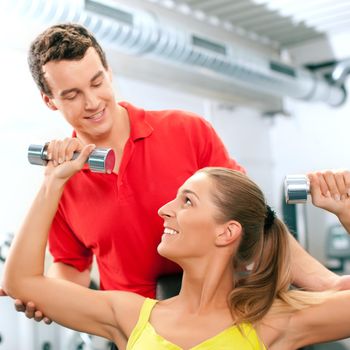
{"points": [[66, 303]]}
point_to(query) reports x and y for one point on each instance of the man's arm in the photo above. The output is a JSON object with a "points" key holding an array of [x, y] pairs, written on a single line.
{"points": [[69, 273], [309, 273]]}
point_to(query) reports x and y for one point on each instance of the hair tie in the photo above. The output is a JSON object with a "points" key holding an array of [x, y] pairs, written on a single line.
{"points": [[270, 217]]}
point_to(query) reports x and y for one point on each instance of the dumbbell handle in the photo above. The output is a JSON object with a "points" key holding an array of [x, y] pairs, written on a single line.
{"points": [[101, 160], [296, 188]]}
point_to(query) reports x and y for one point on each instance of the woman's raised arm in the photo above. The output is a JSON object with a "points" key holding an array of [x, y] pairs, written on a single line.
{"points": [[71, 305]]}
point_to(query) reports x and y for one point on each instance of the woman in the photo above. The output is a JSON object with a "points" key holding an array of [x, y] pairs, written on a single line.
{"points": [[235, 257]]}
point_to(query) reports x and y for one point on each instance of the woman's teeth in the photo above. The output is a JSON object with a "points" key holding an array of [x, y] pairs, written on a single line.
{"points": [[170, 231]]}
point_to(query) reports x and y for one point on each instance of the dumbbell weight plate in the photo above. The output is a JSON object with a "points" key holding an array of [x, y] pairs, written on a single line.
{"points": [[296, 188]]}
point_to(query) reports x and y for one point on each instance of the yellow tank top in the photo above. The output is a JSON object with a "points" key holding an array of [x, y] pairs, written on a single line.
{"points": [[144, 336]]}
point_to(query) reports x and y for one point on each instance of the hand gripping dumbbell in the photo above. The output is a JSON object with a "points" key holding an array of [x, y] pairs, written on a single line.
{"points": [[101, 160], [296, 188]]}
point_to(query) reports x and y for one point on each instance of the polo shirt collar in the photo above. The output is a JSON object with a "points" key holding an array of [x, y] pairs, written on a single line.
{"points": [[139, 127]]}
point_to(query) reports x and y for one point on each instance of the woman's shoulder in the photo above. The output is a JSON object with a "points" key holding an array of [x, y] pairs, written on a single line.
{"points": [[127, 307]]}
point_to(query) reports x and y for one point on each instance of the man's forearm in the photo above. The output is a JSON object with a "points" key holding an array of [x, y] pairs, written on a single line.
{"points": [[307, 272], [67, 272]]}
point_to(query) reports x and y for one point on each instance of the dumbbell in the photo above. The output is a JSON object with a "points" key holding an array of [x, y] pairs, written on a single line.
{"points": [[296, 188], [101, 160]]}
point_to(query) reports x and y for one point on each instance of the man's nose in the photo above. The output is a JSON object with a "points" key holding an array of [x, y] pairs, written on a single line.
{"points": [[91, 101]]}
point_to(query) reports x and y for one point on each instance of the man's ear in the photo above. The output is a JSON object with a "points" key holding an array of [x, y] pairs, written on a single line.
{"points": [[48, 101], [230, 232]]}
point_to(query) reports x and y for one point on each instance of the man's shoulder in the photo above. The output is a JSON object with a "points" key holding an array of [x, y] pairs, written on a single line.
{"points": [[170, 119], [175, 117]]}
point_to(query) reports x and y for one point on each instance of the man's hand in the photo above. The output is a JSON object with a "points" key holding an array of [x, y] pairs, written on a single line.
{"points": [[30, 311]]}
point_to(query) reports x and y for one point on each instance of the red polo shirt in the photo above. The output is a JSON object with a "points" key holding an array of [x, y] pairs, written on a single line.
{"points": [[114, 217]]}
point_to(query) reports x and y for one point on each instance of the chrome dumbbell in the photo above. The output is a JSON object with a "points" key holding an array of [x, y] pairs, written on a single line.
{"points": [[101, 160], [296, 188]]}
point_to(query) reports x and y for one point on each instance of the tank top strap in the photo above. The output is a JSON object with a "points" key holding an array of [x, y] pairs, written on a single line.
{"points": [[145, 313]]}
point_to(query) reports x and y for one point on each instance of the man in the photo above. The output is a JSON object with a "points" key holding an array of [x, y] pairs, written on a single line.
{"points": [[114, 217]]}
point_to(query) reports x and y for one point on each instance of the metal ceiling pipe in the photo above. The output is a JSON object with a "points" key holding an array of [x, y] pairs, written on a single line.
{"points": [[138, 32], [341, 71]]}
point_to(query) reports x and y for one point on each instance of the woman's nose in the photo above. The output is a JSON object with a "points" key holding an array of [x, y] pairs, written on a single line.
{"points": [[167, 210]]}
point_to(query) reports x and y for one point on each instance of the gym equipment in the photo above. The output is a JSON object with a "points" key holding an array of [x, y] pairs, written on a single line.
{"points": [[337, 247], [296, 188], [101, 160], [168, 286]]}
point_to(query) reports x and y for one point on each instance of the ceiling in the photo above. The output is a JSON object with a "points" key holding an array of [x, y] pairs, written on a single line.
{"points": [[202, 46], [281, 23]]}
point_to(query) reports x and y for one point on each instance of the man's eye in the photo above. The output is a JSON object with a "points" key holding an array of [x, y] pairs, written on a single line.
{"points": [[71, 97], [97, 84]]}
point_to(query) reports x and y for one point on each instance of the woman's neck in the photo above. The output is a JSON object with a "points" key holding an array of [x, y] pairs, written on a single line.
{"points": [[206, 288]]}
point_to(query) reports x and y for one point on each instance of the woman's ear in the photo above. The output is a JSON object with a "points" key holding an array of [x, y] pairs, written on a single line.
{"points": [[230, 233], [48, 101]]}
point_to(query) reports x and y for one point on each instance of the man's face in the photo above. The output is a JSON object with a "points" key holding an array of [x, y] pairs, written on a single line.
{"points": [[82, 90]]}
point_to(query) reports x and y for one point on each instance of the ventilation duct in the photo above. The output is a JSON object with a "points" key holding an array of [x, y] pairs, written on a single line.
{"points": [[138, 32]]}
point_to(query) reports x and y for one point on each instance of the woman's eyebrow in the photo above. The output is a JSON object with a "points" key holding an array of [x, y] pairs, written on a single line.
{"points": [[186, 191]]}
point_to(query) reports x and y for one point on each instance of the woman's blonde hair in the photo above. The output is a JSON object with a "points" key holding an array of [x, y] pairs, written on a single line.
{"points": [[264, 247]]}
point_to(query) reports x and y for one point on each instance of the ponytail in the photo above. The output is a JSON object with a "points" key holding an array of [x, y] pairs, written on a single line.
{"points": [[267, 286], [255, 292]]}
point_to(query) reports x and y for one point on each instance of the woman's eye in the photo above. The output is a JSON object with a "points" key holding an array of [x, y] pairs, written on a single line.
{"points": [[188, 202]]}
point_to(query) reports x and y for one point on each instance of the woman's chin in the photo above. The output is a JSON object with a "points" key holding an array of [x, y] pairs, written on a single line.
{"points": [[165, 252]]}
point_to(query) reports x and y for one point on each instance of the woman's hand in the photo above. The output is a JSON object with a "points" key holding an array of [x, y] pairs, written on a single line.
{"points": [[330, 190], [67, 168]]}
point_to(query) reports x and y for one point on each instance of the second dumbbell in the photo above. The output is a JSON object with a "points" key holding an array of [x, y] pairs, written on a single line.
{"points": [[101, 160], [296, 188]]}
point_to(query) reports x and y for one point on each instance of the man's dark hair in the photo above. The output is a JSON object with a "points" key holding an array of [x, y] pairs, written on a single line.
{"points": [[60, 42]]}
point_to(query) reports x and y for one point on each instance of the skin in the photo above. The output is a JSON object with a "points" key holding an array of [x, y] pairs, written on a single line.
{"points": [[82, 92], [333, 185], [204, 249]]}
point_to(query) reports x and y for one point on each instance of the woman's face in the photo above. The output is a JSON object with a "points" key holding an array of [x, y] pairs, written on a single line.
{"points": [[190, 227]]}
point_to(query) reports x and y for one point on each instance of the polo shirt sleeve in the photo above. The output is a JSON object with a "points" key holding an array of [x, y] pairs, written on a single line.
{"points": [[65, 247], [212, 150]]}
